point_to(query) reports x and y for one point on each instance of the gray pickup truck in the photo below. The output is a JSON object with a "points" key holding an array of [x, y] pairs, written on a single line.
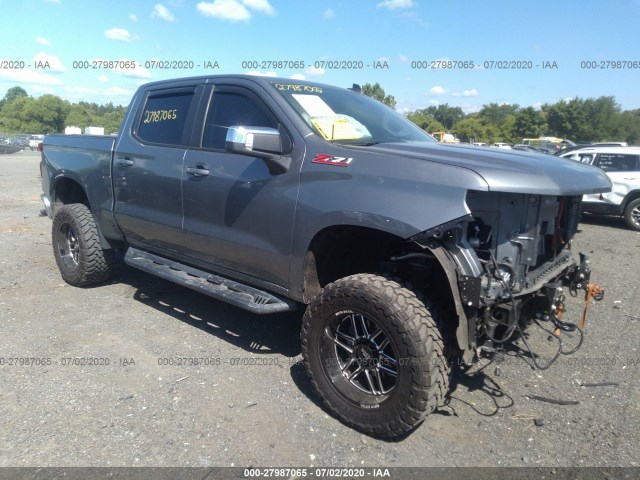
{"points": [[275, 194]]}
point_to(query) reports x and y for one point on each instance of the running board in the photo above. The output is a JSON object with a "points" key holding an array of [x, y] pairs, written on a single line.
{"points": [[220, 288]]}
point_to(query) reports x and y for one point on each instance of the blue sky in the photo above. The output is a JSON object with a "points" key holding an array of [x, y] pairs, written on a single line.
{"points": [[393, 32]]}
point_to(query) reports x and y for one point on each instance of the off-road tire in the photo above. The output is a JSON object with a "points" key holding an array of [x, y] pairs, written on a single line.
{"points": [[632, 214], [422, 379], [77, 249]]}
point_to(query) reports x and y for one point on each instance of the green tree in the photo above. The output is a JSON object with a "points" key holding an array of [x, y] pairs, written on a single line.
{"points": [[605, 117], [530, 123], [629, 127], [111, 120], [497, 114], [78, 116], [51, 111], [474, 128], [508, 129], [12, 115], [12, 94], [425, 121], [377, 92], [446, 114]]}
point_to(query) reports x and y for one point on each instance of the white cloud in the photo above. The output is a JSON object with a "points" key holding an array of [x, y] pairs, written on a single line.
{"points": [[438, 90], [298, 76], [225, 10], [43, 90], [314, 72], [55, 65], [138, 72], [133, 17], [403, 59], [537, 105], [470, 93], [120, 34], [256, 73], [395, 4], [235, 10], [115, 90], [43, 41], [103, 78], [329, 13], [76, 91], [30, 76], [160, 11], [262, 6]]}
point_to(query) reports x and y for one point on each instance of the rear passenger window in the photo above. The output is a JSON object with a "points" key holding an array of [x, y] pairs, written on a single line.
{"points": [[582, 157], [164, 117], [232, 110], [618, 162]]}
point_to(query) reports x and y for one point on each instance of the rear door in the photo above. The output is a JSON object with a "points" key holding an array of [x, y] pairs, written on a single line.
{"points": [[624, 171], [148, 167], [237, 215]]}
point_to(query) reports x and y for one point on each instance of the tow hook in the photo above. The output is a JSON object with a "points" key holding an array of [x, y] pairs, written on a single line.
{"points": [[592, 291]]}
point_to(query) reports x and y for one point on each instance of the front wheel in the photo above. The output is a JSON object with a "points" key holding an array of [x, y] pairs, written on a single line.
{"points": [[374, 354], [632, 214], [77, 249]]}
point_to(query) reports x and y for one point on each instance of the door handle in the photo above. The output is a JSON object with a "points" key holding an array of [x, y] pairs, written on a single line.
{"points": [[198, 171], [125, 161]]}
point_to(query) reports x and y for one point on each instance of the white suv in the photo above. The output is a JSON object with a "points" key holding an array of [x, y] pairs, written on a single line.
{"points": [[622, 166]]}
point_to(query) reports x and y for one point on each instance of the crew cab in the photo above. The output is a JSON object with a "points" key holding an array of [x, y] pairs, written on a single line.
{"points": [[277, 194]]}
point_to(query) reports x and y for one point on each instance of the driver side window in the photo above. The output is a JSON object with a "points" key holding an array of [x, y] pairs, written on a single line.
{"points": [[229, 109]]}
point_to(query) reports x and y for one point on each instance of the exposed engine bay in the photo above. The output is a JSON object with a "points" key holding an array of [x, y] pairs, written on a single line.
{"points": [[511, 262]]}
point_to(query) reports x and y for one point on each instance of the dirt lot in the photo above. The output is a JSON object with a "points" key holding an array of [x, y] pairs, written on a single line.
{"points": [[251, 403]]}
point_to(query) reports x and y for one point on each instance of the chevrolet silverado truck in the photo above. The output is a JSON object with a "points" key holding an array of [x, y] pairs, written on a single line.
{"points": [[276, 194]]}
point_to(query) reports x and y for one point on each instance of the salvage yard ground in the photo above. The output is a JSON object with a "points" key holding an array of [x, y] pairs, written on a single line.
{"points": [[140, 372]]}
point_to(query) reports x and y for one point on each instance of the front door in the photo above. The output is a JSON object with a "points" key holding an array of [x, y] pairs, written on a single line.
{"points": [[237, 215]]}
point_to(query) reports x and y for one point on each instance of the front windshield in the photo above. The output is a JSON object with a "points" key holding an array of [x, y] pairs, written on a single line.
{"points": [[346, 117]]}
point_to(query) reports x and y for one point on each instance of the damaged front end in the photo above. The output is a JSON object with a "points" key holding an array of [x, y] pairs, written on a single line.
{"points": [[509, 262]]}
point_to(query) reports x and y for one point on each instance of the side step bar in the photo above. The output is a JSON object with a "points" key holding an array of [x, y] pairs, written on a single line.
{"points": [[220, 288]]}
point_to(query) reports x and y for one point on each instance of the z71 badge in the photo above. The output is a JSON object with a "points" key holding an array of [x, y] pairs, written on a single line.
{"points": [[331, 160]]}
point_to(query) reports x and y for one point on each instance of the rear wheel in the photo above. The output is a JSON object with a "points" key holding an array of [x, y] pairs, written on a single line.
{"points": [[632, 214], [374, 354], [77, 249]]}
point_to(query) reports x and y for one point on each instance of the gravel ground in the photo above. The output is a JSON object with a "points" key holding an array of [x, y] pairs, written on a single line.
{"points": [[252, 404]]}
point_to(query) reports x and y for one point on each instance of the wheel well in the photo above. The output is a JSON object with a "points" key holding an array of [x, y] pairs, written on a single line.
{"points": [[337, 252], [69, 191], [631, 196]]}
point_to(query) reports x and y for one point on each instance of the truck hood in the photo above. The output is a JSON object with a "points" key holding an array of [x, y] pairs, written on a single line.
{"points": [[509, 170]]}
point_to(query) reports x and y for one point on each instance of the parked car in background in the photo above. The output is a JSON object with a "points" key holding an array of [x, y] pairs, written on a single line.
{"points": [[527, 148], [548, 144], [34, 141], [622, 166], [480, 144], [505, 146]]}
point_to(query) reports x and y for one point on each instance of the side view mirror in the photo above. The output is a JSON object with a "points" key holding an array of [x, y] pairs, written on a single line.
{"points": [[260, 142]]}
